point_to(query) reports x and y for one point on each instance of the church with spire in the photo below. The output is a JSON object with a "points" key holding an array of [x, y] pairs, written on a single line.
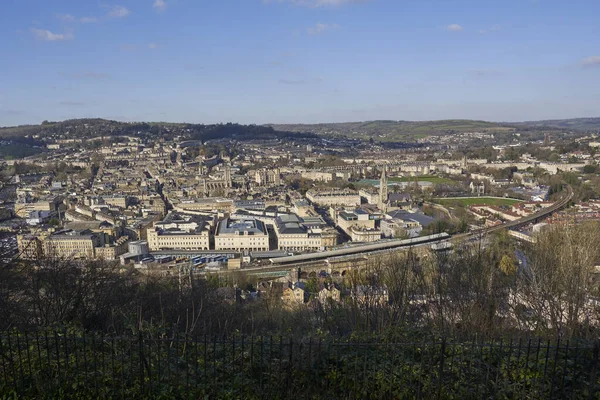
{"points": [[383, 191]]}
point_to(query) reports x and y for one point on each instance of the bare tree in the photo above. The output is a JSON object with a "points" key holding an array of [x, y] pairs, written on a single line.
{"points": [[556, 293]]}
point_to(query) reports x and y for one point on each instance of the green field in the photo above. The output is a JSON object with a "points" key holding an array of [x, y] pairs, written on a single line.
{"points": [[469, 201], [424, 178]]}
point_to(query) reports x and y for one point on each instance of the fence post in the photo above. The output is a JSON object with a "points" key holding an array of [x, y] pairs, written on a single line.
{"points": [[290, 367], [441, 372], [28, 354], [11, 361], [594, 370], [3, 356], [141, 355], [565, 366], [552, 381]]}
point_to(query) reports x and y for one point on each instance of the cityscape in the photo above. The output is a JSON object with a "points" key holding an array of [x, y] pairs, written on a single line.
{"points": [[173, 204], [275, 199]]}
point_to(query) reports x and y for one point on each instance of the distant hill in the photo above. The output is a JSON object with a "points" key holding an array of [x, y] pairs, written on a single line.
{"points": [[382, 130], [579, 124], [88, 128], [22, 141], [396, 130]]}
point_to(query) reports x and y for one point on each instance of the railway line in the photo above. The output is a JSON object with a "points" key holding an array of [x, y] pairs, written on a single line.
{"points": [[526, 220]]}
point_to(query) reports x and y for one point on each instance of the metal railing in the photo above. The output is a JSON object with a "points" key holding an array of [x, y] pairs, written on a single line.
{"points": [[56, 364]]}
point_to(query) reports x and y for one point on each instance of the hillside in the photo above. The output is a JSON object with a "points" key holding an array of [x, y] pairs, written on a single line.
{"points": [[27, 140], [579, 124], [395, 130], [88, 128], [382, 130]]}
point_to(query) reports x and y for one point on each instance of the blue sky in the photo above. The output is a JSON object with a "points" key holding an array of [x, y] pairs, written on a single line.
{"points": [[261, 61]]}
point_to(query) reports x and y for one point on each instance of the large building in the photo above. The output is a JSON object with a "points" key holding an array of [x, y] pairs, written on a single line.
{"points": [[26, 204], [243, 234], [318, 175], [401, 223], [347, 198], [114, 250], [30, 246], [359, 225], [303, 234], [268, 177], [179, 231], [74, 244], [71, 244], [364, 235], [369, 195], [302, 208], [206, 205], [116, 200]]}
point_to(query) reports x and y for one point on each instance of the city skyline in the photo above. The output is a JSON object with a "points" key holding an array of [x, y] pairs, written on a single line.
{"points": [[299, 61]]}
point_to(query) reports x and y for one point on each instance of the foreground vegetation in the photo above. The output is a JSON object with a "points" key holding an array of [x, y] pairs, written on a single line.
{"points": [[470, 299], [56, 365], [493, 288]]}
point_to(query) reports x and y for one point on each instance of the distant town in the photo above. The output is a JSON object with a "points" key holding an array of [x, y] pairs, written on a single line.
{"points": [[163, 205]]}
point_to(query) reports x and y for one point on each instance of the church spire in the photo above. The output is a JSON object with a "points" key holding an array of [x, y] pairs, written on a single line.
{"points": [[383, 190]]}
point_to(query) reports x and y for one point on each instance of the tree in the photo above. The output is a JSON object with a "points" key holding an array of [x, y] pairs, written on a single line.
{"points": [[554, 157], [54, 222], [556, 286], [507, 265]]}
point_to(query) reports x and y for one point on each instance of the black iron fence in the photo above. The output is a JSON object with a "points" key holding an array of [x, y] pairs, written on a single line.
{"points": [[61, 365]]}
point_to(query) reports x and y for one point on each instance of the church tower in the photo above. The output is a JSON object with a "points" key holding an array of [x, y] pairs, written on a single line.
{"points": [[383, 190], [228, 176]]}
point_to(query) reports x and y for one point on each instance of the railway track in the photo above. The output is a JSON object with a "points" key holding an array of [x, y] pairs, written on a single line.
{"points": [[526, 220]]}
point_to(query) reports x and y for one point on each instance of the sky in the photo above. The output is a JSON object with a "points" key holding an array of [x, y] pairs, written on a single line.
{"points": [[298, 61]]}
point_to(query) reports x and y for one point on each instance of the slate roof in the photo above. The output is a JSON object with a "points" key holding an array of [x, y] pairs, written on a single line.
{"points": [[421, 218]]}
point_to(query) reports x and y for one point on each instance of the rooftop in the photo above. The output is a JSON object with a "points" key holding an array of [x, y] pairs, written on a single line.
{"points": [[252, 226], [421, 218]]}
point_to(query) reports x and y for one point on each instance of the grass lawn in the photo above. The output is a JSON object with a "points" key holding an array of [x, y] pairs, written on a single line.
{"points": [[425, 178], [469, 201]]}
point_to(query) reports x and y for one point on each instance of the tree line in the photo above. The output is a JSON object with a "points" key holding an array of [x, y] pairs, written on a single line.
{"points": [[491, 287]]}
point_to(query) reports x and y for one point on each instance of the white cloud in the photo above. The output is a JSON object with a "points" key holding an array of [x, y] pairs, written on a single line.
{"points": [[320, 28], [455, 28], [119, 12], [66, 17], [317, 3], [152, 46], [593, 61], [45, 35], [159, 5], [71, 18]]}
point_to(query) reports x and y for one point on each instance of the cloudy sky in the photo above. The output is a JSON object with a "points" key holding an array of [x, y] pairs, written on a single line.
{"points": [[261, 61]]}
